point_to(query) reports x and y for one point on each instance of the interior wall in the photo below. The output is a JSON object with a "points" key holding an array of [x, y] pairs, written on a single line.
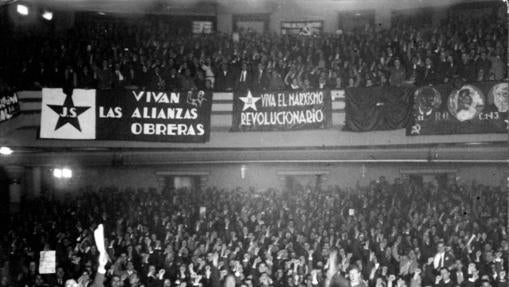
{"points": [[224, 23], [261, 177], [383, 18], [91, 179], [326, 10], [438, 16], [226, 10], [4, 194], [491, 175], [63, 21]]}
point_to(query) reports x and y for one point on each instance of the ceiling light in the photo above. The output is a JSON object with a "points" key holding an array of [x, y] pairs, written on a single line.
{"points": [[47, 15], [57, 173], [4, 150], [66, 172], [22, 9]]}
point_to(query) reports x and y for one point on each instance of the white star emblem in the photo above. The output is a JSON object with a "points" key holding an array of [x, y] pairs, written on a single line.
{"points": [[249, 101]]}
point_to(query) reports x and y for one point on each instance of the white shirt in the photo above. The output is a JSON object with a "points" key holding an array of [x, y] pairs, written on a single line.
{"points": [[438, 261]]}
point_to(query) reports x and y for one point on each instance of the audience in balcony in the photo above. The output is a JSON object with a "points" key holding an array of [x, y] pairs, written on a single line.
{"points": [[109, 55]]}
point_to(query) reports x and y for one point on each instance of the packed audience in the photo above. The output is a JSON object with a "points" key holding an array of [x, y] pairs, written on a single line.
{"points": [[384, 235], [150, 55]]}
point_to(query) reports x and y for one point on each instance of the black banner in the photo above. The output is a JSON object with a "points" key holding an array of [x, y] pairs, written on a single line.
{"points": [[472, 108], [9, 105], [169, 116], [377, 108], [281, 110]]}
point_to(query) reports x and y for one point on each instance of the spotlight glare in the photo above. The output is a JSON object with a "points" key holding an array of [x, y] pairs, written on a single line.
{"points": [[5, 150], [57, 173], [22, 9], [243, 172], [47, 15], [66, 173]]}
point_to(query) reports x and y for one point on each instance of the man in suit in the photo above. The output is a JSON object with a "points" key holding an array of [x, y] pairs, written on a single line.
{"points": [[57, 279], [458, 274], [427, 248], [428, 276], [261, 79], [244, 78], [442, 258], [429, 75], [473, 276], [172, 81], [483, 63], [224, 79], [444, 279], [355, 277], [60, 277], [466, 68]]}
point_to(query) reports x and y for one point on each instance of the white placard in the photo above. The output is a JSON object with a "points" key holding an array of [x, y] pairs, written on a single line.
{"points": [[47, 262], [68, 116], [235, 37]]}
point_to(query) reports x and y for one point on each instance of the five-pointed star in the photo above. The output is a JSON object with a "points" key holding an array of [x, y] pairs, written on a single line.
{"points": [[69, 114], [249, 101]]}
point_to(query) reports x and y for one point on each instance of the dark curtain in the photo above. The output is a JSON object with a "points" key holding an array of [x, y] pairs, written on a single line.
{"points": [[377, 108]]}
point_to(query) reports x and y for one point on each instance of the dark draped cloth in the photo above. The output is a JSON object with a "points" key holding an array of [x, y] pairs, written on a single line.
{"points": [[377, 108]]}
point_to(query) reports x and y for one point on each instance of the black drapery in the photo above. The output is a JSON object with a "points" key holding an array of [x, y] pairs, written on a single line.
{"points": [[377, 108]]}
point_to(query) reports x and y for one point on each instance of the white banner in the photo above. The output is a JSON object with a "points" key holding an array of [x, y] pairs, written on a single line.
{"points": [[47, 262], [68, 116], [202, 27], [304, 28]]}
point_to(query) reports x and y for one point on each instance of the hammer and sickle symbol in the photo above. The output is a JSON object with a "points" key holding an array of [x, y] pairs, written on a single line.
{"points": [[416, 129]]}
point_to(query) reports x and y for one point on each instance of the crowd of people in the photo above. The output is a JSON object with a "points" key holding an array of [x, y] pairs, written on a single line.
{"points": [[383, 235], [400, 234], [149, 55]]}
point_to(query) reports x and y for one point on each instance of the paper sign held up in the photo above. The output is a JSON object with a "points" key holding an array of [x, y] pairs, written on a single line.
{"points": [[47, 262]]}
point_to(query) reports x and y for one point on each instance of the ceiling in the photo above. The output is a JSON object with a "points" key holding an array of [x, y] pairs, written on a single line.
{"points": [[137, 6], [117, 6]]}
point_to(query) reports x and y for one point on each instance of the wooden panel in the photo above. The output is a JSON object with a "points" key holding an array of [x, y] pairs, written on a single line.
{"points": [[227, 107], [222, 96], [29, 95], [30, 106]]}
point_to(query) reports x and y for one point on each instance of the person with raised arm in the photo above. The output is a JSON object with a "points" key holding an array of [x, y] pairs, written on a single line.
{"points": [[334, 278], [103, 257]]}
